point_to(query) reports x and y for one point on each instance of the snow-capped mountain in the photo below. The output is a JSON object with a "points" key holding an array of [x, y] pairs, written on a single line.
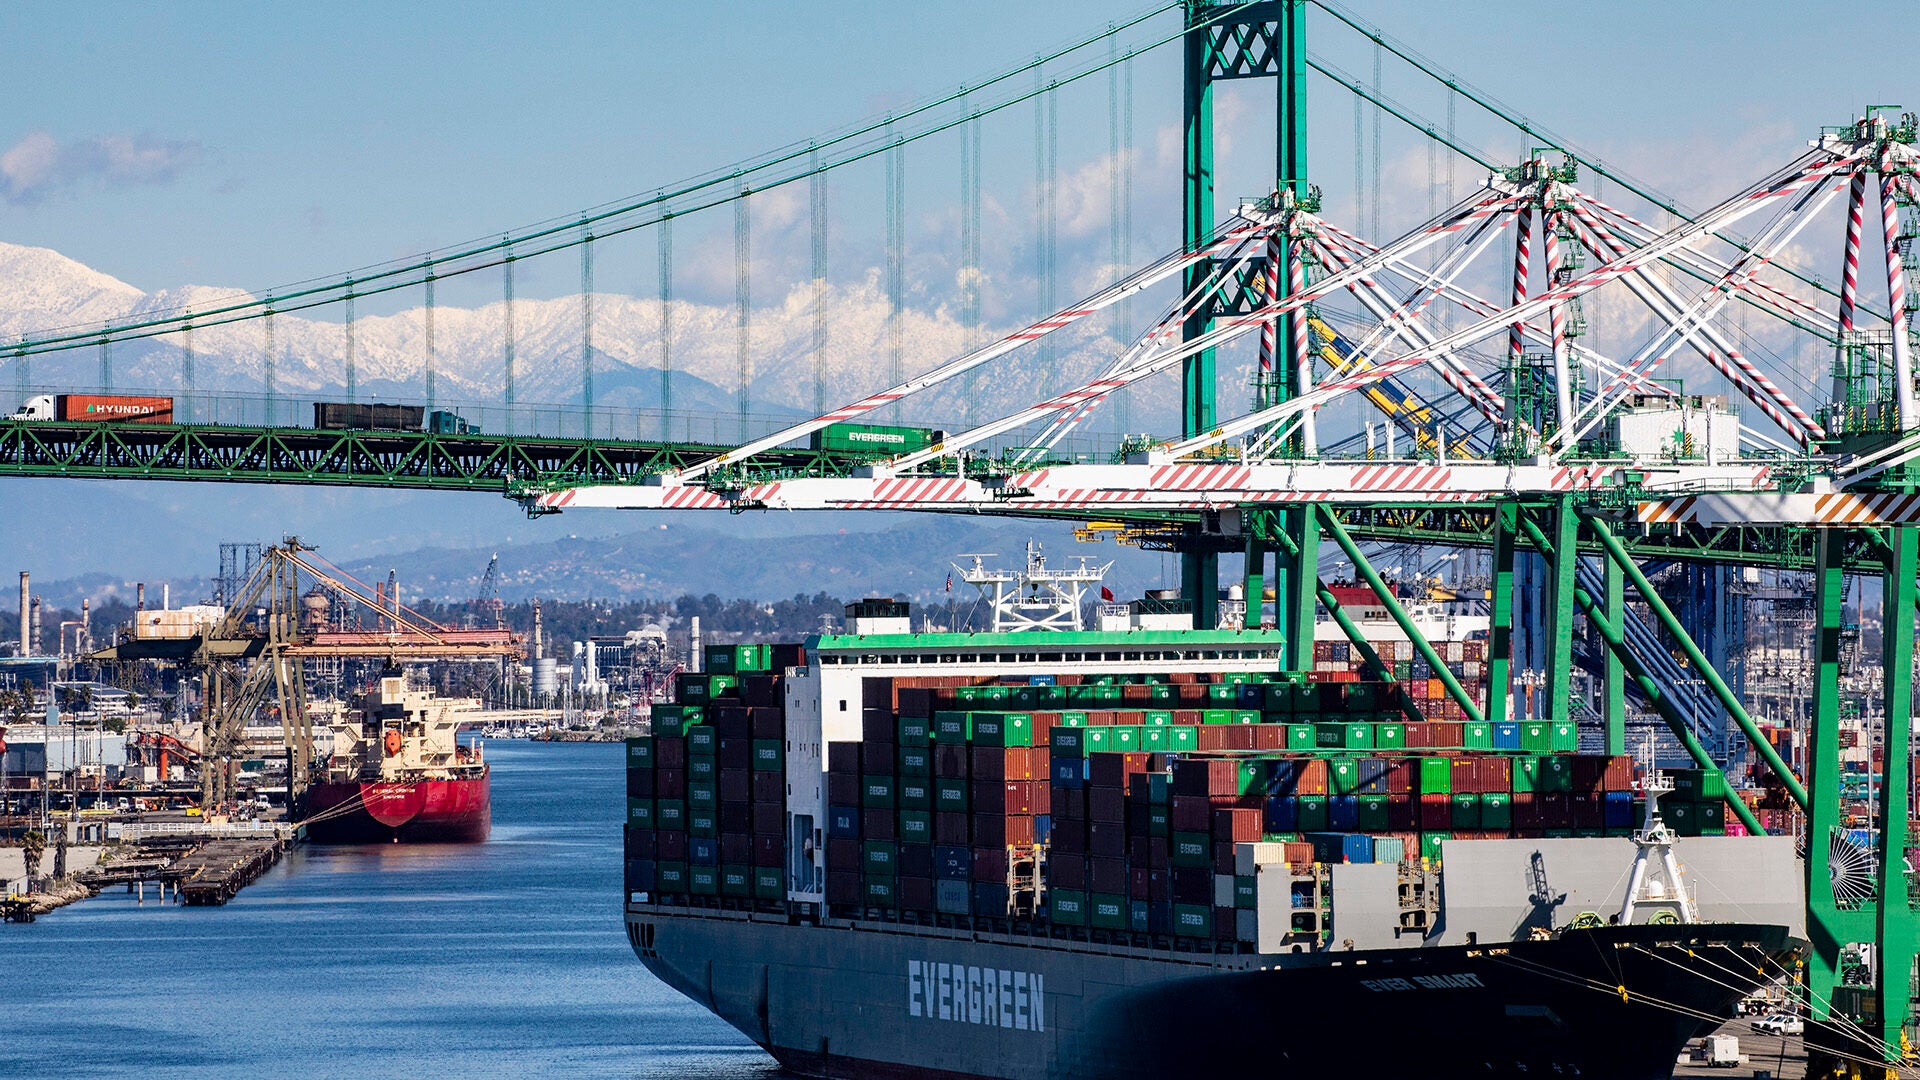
{"points": [[46, 291]]}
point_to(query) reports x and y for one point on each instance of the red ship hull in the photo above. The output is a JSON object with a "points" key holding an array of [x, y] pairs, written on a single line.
{"points": [[417, 811]]}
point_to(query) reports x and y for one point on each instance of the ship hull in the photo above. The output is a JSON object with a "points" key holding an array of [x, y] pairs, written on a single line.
{"points": [[886, 1002], [455, 811]]}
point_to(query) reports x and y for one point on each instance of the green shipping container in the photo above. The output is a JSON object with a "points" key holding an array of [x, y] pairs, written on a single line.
{"points": [[703, 796], [769, 883], [1216, 716], [703, 739], [881, 892], [1251, 778], [640, 752], [1345, 775], [950, 796], [1436, 776], [1123, 738], [736, 881], [879, 858], [1526, 774], [1555, 774], [769, 755], [640, 813], [914, 792], [915, 731], [670, 814], [1003, 729], [1155, 739], [1158, 718], [1246, 892], [916, 761], [1466, 812], [1071, 718], [1313, 813], [1374, 815], [1300, 737], [1390, 736], [703, 767], [916, 827], [1496, 811], [671, 877], [1245, 716], [1067, 907], [703, 823], [1192, 849], [1183, 738], [703, 880], [1565, 739], [877, 793], [873, 440], [1107, 911], [1430, 844], [952, 727], [1159, 820], [1536, 737], [1479, 736], [1192, 921], [1097, 740], [1068, 741]]}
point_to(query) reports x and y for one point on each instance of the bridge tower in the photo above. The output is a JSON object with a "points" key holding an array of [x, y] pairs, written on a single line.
{"points": [[1262, 40]]}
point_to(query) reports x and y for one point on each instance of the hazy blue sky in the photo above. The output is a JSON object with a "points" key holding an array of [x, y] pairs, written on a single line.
{"points": [[246, 144]]}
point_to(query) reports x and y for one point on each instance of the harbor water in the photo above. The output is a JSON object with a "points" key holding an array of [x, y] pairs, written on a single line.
{"points": [[504, 959]]}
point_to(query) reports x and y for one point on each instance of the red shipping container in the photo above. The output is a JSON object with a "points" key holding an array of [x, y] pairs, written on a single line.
{"points": [[731, 721], [1187, 717], [1106, 804], [1044, 722], [1068, 804], [1619, 774], [1495, 773], [1135, 693], [1556, 810], [1403, 813], [842, 758], [1226, 926], [1588, 774], [987, 762], [1068, 838], [769, 819], [1112, 769], [843, 854], [877, 825], [843, 888], [670, 752], [951, 829], [1311, 777], [1296, 853], [1526, 811], [1466, 775], [991, 864], [1191, 813], [1206, 776], [1139, 883], [735, 786], [842, 790], [1107, 839], [1238, 826], [1107, 875], [1270, 736], [736, 817], [950, 762], [670, 783], [769, 787], [1587, 811], [1436, 812], [736, 849], [1212, 737], [916, 893], [877, 694], [915, 701], [1063, 872], [1223, 860], [996, 830], [113, 408], [1400, 775], [878, 758], [1192, 884]]}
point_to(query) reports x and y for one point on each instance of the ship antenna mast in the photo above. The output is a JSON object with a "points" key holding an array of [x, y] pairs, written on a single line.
{"points": [[1034, 597], [1654, 857]]}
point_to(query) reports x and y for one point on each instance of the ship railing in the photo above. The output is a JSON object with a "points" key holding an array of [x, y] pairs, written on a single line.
{"points": [[266, 830]]}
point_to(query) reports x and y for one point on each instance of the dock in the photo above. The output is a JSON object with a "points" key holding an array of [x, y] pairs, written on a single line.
{"points": [[200, 870]]}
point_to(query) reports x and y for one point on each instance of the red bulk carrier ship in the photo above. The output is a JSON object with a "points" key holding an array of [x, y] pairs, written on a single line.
{"points": [[398, 773]]}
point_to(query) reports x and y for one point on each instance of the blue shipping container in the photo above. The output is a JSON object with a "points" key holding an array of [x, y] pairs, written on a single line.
{"points": [[1343, 814], [1506, 737], [1070, 773], [953, 863], [843, 822], [1282, 814], [1358, 848], [703, 851], [1618, 808]]}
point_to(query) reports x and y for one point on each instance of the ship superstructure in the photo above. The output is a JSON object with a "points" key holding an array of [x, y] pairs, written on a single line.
{"points": [[399, 772]]}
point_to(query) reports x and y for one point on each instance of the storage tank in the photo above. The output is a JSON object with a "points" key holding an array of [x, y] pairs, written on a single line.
{"points": [[545, 676]]}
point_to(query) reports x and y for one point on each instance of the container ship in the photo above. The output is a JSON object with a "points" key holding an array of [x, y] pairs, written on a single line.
{"points": [[400, 774], [1149, 852]]}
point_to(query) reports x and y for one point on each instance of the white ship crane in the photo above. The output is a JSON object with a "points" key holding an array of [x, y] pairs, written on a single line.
{"points": [[1036, 596]]}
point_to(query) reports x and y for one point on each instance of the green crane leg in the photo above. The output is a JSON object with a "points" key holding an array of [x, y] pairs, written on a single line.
{"points": [[1254, 581], [1405, 622], [1199, 570], [1379, 667], [1898, 939], [1614, 635], [1559, 686], [1295, 590], [1828, 925], [1500, 610], [1615, 708], [1721, 691]]}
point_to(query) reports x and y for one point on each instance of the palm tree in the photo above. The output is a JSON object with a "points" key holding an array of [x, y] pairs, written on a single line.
{"points": [[31, 847]]}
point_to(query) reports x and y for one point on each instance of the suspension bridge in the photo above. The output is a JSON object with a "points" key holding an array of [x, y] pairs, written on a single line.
{"points": [[1471, 381]]}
